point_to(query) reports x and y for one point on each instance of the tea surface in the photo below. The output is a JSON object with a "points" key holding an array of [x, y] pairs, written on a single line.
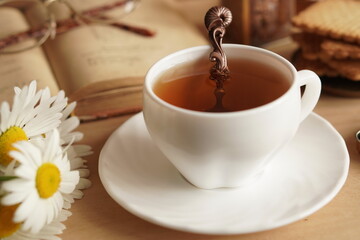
{"points": [[251, 84]]}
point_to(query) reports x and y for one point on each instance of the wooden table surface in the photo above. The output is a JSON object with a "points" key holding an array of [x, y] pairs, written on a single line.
{"points": [[97, 216]]}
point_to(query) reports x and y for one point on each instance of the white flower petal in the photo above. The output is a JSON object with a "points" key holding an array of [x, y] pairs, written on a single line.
{"points": [[32, 154], [17, 90], [46, 94], [53, 149], [18, 156], [27, 117], [58, 202], [32, 87], [84, 173], [68, 110], [17, 184], [25, 173], [70, 124], [28, 111], [41, 126], [67, 204], [77, 194], [13, 198], [25, 209], [77, 163], [4, 116], [83, 183], [69, 181], [82, 150], [35, 221]]}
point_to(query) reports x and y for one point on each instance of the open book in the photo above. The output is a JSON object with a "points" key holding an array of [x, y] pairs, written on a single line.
{"points": [[99, 66]]}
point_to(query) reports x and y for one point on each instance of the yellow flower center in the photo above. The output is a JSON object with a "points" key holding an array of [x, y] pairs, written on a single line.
{"points": [[47, 180], [7, 138], [7, 226]]}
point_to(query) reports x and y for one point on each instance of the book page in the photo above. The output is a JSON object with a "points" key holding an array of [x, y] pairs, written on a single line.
{"points": [[21, 68], [97, 53]]}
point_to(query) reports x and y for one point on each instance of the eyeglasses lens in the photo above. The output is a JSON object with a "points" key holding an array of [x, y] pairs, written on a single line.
{"points": [[24, 24]]}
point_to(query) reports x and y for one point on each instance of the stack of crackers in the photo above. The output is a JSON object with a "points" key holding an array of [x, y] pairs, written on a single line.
{"points": [[328, 33]]}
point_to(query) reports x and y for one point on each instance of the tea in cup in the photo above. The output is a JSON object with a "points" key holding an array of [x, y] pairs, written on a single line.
{"points": [[262, 109]]}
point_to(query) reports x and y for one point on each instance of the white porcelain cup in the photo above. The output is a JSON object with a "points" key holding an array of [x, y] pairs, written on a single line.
{"points": [[213, 150]]}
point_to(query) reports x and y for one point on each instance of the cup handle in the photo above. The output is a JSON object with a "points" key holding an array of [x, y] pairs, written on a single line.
{"points": [[312, 91]]}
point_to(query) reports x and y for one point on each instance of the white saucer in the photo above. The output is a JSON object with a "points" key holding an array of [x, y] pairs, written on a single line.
{"points": [[304, 177]]}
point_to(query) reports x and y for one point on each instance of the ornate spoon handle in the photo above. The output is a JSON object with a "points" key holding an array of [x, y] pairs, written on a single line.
{"points": [[216, 20]]}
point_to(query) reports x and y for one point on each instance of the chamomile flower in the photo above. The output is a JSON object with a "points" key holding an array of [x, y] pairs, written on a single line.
{"points": [[43, 177], [33, 114], [48, 232]]}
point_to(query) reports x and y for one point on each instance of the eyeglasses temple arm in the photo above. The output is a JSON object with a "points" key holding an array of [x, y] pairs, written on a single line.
{"points": [[138, 30], [64, 26], [19, 37]]}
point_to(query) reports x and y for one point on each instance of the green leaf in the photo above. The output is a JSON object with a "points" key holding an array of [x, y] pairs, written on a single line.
{"points": [[6, 178]]}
